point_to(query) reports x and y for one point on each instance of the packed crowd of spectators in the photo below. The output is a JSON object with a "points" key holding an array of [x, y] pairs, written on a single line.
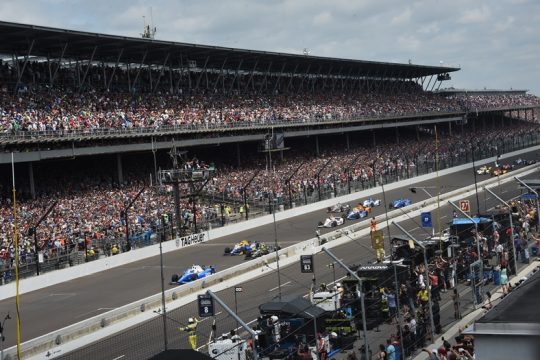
{"points": [[89, 207], [479, 101], [360, 165], [66, 107]]}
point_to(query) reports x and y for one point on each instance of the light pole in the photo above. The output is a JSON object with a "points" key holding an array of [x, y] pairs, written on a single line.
{"points": [[333, 266], [2, 338], [161, 238], [384, 201], [535, 193], [399, 319], [237, 289], [475, 182], [511, 225], [426, 274], [276, 247]]}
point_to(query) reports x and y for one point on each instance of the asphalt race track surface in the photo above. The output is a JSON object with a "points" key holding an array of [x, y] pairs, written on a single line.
{"points": [[52, 308]]}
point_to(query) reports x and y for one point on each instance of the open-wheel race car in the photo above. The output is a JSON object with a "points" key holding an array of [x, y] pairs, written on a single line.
{"points": [[484, 170], [358, 212], [193, 273], [241, 248], [338, 208], [524, 162], [399, 203], [371, 202], [331, 221], [260, 249]]}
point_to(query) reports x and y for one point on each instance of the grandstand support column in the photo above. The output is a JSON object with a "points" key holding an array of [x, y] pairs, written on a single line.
{"points": [[319, 177], [397, 135], [114, 68], [449, 128], [202, 72], [104, 74], [244, 193], [87, 67], [119, 172], [347, 141], [417, 133], [238, 159], [483, 123], [373, 137], [31, 179], [21, 72], [288, 182], [53, 76], [161, 73], [317, 145], [138, 70], [33, 231], [250, 75]]}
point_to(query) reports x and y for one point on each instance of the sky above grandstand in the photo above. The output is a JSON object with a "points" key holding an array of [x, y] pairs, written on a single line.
{"points": [[496, 43]]}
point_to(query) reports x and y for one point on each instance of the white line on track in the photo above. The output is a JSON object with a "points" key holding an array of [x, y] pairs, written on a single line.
{"points": [[277, 287], [119, 357], [93, 311], [63, 294]]}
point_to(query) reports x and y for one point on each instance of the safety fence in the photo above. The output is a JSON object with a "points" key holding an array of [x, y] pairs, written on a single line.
{"points": [[423, 164]]}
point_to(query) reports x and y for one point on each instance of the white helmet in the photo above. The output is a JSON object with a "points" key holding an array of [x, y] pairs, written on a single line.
{"points": [[274, 318], [191, 320]]}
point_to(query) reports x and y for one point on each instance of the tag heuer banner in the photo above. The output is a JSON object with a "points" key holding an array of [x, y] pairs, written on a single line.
{"points": [[377, 239]]}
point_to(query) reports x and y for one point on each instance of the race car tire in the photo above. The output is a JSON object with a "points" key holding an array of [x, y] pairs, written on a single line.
{"points": [[334, 223], [227, 251], [174, 278], [193, 277], [320, 223]]}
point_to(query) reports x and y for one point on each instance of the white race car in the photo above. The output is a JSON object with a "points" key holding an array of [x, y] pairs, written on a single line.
{"points": [[338, 208], [331, 222], [371, 202]]}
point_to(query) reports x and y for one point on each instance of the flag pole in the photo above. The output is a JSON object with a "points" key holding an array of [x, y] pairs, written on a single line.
{"points": [[16, 244], [438, 186]]}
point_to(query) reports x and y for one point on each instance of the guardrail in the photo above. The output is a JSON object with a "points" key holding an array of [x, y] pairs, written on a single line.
{"points": [[184, 294]]}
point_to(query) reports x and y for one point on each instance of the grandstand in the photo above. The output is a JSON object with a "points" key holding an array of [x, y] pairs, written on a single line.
{"points": [[97, 113], [90, 119]]}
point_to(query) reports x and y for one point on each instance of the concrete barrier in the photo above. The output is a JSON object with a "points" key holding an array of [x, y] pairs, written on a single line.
{"points": [[92, 329]]}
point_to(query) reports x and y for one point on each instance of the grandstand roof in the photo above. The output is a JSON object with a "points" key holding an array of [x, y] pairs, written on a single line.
{"points": [[49, 42]]}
